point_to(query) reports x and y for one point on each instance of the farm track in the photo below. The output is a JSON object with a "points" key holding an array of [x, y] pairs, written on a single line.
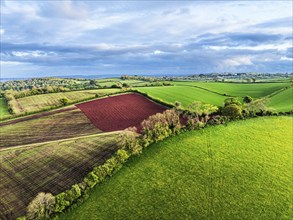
{"points": [[35, 116]]}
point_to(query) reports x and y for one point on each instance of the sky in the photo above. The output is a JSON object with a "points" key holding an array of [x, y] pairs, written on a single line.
{"points": [[52, 38]]}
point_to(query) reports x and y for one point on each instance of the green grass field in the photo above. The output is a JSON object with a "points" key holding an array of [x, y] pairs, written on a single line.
{"points": [[183, 94], [52, 127], [3, 109], [239, 171], [255, 90], [51, 167], [282, 101], [45, 101]]}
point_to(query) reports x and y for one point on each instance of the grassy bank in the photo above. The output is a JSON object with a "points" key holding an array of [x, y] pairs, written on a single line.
{"points": [[239, 171]]}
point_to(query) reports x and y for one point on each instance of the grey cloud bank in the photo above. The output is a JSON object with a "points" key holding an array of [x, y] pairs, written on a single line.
{"points": [[43, 38]]}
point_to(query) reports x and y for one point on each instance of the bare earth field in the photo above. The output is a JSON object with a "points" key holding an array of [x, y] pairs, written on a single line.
{"points": [[120, 112], [50, 167], [43, 127]]}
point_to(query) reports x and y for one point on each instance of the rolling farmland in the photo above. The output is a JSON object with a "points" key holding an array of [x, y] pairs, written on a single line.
{"points": [[282, 101], [3, 109], [255, 90], [183, 94], [54, 126], [50, 167], [237, 171]]}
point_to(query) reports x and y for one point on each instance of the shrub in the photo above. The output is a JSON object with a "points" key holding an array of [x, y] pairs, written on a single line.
{"points": [[73, 194], [122, 156], [61, 202], [230, 101], [155, 128], [217, 120], [173, 120], [41, 206], [194, 124], [256, 107], [64, 101], [91, 179], [232, 111], [129, 141], [247, 99]]}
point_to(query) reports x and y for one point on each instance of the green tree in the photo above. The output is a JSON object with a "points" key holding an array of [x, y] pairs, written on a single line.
{"points": [[232, 111], [129, 141], [231, 100], [64, 101], [247, 99], [41, 206]]}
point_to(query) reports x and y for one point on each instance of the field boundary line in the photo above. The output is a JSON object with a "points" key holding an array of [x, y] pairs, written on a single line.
{"points": [[60, 140], [279, 91], [208, 90]]}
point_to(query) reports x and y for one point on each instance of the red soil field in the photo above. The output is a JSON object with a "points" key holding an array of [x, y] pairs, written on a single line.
{"points": [[120, 112]]}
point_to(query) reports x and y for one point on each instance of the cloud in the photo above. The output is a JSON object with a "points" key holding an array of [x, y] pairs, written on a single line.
{"points": [[142, 37]]}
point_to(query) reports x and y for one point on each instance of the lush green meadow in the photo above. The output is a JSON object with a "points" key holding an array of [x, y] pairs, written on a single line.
{"points": [[50, 167], [45, 101], [183, 94], [239, 171], [255, 90], [3, 108], [46, 128], [282, 101]]}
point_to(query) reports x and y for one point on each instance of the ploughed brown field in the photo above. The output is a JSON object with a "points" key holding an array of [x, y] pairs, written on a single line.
{"points": [[48, 167], [120, 112]]}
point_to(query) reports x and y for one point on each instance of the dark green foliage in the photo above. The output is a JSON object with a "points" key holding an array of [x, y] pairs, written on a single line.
{"points": [[232, 111], [64, 101], [217, 120], [91, 179], [194, 124], [61, 202], [247, 99], [231, 100]]}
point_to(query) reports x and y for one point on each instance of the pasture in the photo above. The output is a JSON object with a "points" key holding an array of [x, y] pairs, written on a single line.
{"points": [[282, 101], [255, 90], [184, 94], [50, 167], [119, 112], [239, 171], [3, 108], [53, 126], [46, 101]]}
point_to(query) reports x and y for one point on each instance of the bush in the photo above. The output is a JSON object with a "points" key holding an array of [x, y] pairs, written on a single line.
{"points": [[230, 101], [256, 107], [41, 207], [155, 128], [173, 120], [232, 111], [73, 194], [217, 120], [64, 101], [129, 141], [247, 99], [194, 124], [91, 179], [61, 202]]}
